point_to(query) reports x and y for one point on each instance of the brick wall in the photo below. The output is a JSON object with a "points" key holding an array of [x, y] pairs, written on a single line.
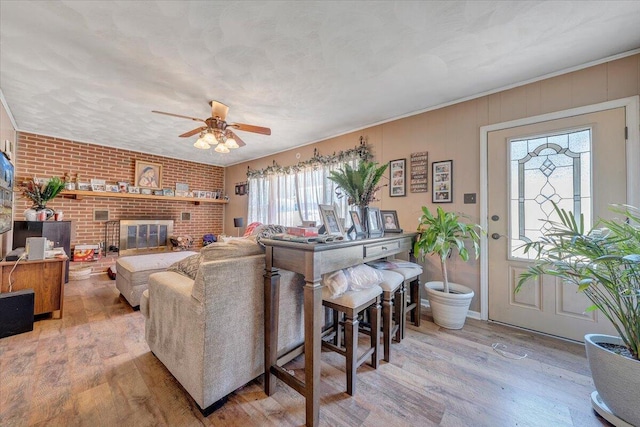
{"points": [[43, 156]]}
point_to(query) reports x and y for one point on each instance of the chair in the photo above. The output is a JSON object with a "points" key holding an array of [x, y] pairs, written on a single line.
{"points": [[350, 304], [412, 305], [392, 294]]}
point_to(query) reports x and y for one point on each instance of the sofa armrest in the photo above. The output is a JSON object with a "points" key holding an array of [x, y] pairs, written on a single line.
{"points": [[175, 329]]}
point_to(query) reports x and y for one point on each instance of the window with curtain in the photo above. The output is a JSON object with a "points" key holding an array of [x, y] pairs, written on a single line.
{"points": [[289, 195]]}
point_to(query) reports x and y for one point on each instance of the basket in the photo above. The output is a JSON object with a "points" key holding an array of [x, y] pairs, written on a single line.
{"points": [[78, 272]]}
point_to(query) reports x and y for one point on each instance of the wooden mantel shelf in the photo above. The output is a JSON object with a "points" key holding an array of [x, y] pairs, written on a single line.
{"points": [[79, 195]]}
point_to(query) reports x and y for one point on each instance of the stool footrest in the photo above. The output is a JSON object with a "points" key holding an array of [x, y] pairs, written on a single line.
{"points": [[334, 348]]}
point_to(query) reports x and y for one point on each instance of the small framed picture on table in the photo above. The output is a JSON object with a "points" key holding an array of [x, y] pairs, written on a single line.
{"points": [[357, 224], [330, 219], [374, 222], [390, 222]]}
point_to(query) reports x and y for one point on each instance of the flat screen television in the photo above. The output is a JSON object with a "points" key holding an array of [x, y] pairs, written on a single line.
{"points": [[6, 193]]}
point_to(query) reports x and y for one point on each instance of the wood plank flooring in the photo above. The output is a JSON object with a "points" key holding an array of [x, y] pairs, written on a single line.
{"points": [[93, 368]]}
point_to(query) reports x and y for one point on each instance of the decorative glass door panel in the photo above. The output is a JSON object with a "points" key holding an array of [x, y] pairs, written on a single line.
{"points": [[545, 170]]}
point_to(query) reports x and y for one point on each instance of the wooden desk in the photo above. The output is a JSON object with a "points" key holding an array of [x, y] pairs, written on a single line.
{"points": [[46, 277], [312, 261]]}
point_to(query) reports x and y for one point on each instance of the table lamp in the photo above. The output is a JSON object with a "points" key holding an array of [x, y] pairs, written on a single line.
{"points": [[237, 223]]}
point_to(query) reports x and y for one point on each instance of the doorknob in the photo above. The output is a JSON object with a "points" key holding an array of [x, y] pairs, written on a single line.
{"points": [[495, 218], [495, 236]]}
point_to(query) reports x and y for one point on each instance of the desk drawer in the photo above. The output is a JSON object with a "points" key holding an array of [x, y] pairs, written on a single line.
{"points": [[381, 249]]}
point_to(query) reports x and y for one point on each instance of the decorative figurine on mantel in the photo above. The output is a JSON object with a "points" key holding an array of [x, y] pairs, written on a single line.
{"points": [[68, 182]]}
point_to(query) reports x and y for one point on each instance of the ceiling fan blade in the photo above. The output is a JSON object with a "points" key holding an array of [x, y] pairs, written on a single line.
{"points": [[218, 109], [251, 128], [179, 115], [235, 136], [193, 132]]}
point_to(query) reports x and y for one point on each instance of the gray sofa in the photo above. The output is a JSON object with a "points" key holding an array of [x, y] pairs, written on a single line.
{"points": [[209, 332]]}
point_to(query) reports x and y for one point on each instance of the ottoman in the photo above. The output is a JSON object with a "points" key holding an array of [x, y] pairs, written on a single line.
{"points": [[132, 272]]}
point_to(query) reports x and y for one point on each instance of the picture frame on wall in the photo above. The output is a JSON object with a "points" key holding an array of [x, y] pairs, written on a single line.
{"points": [[398, 178], [374, 222], [148, 175], [332, 223], [442, 178]]}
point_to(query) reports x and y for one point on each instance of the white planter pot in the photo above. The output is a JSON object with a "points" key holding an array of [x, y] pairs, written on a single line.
{"points": [[617, 379], [449, 309]]}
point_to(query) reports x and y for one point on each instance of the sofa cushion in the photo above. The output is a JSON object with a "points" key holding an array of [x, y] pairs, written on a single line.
{"points": [[231, 249], [187, 266]]}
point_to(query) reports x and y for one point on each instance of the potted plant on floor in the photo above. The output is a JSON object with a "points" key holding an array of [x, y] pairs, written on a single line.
{"points": [[441, 235], [604, 263]]}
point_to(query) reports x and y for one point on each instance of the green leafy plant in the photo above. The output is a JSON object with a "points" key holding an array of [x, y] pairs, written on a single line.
{"points": [[440, 234], [40, 194], [604, 263], [359, 184]]}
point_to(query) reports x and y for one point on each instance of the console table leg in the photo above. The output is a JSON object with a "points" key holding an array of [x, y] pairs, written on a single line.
{"points": [[271, 309], [312, 350]]}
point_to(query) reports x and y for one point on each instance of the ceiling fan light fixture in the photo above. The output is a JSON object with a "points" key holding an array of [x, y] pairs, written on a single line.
{"points": [[221, 148], [202, 144], [231, 143], [209, 138]]}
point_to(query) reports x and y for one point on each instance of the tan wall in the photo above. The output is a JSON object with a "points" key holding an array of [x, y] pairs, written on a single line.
{"points": [[7, 132], [454, 133]]}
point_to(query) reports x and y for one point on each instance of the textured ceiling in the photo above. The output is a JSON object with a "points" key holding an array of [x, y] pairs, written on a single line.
{"points": [[93, 70]]}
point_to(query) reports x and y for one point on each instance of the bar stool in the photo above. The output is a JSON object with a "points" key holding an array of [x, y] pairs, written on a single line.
{"points": [[350, 304], [412, 281], [392, 294]]}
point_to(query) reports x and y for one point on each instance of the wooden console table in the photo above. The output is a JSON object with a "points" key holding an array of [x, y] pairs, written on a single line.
{"points": [[312, 260], [46, 277]]}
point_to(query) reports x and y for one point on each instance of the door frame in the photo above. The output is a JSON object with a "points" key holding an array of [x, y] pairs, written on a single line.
{"points": [[632, 113]]}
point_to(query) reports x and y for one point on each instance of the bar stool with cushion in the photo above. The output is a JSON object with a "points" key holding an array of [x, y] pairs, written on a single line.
{"points": [[412, 305], [350, 304], [392, 294]]}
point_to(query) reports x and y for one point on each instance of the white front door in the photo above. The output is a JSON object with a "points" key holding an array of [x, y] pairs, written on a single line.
{"points": [[578, 163]]}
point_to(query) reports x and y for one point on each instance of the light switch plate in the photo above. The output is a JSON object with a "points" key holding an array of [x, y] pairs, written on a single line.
{"points": [[470, 198]]}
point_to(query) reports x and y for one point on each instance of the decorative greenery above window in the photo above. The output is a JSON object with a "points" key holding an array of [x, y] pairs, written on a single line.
{"points": [[361, 152], [288, 195]]}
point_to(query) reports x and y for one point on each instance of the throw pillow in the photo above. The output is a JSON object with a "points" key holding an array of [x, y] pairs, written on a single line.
{"points": [[187, 266], [362, 277], [250, 228], [267, 232], [231, 249], [336, 282]]}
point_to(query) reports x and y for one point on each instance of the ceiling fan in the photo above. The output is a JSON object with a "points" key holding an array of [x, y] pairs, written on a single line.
{"points": [[217, 131]]}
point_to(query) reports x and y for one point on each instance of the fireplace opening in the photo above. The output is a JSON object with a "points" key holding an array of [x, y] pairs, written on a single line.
{"points": [[143, 236]]}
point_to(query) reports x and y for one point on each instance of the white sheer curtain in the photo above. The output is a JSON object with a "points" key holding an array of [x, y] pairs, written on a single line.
{"points": [[289, 199]]}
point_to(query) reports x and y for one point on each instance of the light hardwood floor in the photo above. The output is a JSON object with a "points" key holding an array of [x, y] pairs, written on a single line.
{"points": [[93, 368]]}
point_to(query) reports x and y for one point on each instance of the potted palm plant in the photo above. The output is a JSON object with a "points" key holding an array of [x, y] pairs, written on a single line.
{"points": [[359, 184], [441, 235], [604, 263]]}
